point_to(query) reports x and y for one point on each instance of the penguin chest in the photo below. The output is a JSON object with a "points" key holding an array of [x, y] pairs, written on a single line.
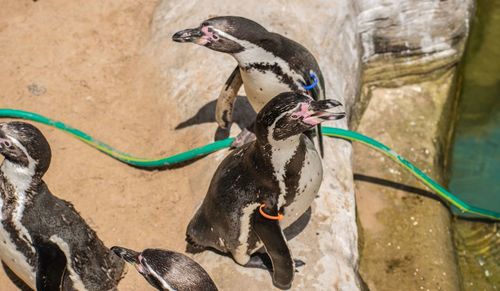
{"points": [[309, 181], [261, 86], [15, 259]]}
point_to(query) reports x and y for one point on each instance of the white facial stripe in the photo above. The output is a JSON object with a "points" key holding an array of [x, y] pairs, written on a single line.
{"points": [[20, 177], [241, 253], [74, 276], [255, 54], [164, 283]]}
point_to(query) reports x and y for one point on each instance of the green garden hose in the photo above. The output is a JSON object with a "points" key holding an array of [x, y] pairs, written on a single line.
{"points": [[218, 145]]}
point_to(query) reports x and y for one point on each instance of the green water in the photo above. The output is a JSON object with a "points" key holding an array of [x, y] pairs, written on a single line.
{"points": [[475, 168], [475, 172]]}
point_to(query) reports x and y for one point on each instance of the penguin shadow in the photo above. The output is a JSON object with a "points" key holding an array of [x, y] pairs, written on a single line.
{"points": [[243, 116], [290, 232], [15, 279]]}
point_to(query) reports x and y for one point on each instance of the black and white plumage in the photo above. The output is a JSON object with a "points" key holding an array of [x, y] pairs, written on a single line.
{"points": [[268, 63], [281, 170], [43, 239], [167, 270]]}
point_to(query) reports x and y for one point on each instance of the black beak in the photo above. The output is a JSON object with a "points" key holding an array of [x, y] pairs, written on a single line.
{"points": [[323, 109], [187, 35], [128, 255]]}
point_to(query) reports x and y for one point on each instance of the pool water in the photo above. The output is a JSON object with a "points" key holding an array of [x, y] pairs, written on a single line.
{"points": [[475, 165], [475, 170]]}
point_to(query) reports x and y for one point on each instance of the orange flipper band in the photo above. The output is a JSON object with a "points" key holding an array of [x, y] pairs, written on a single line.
{"points": [[271, 217]]}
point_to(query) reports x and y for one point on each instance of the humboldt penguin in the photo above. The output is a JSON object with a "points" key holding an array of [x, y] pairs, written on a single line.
{"points": [[268, 64], [167, 270], [43, 239], [264, 186]]}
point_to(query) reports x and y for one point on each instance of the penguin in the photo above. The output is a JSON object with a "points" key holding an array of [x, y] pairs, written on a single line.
{"points": [[268, 64], [167, 270], [43, 239], [264, 186]]}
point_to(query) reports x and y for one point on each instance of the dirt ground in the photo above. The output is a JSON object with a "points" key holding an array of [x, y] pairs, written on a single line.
{"points": [[78, 61], [87, 63]]}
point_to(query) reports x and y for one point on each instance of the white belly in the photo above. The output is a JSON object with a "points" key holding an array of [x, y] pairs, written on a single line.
{"points": [[261, 87], [309, 183], [15, 259]]}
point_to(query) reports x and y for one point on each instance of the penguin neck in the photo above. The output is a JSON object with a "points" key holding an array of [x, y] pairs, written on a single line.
{"points": [[254, 53], [21, 178], [278, 152]]}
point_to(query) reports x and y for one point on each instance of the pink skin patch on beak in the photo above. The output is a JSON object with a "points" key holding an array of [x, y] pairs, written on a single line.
{"points": [[5, 142], [139, 267], [304, 111], [306, 115], [208, 36]]}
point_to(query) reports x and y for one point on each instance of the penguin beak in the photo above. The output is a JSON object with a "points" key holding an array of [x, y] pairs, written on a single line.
{"points": [[188, 35], [319, 111], [128, 255]]}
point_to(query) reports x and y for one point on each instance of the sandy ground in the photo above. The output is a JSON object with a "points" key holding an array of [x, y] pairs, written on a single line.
{"points": [[83, 62], [86, 63], [78, 61]]}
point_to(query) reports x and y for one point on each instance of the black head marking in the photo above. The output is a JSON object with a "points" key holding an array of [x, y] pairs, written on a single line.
{"points": [[20, 142], [290, 114], [222, 34]]}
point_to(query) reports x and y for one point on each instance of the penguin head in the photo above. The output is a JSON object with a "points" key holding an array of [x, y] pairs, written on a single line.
{"points": [[24, 145], [228, 34], [141, 264], [166, 270], [289, 114]]}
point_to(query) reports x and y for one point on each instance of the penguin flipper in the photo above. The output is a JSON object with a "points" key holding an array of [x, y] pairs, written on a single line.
{"points": [[271, 234], [227, 96], [320, 141], [51, 266]]}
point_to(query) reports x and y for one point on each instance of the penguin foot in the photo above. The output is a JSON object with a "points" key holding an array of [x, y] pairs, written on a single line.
{"points": [[298, 263], [244, 137], [260, 261]]}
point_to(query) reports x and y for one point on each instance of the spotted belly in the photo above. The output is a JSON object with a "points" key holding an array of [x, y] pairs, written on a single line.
{"points": [[261, 86], [15, 259]]}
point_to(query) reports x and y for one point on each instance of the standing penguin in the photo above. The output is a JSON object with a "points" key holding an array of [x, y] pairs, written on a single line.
{"points": [[167, 270], [43, 240], [268, 64], [277, 176]]}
